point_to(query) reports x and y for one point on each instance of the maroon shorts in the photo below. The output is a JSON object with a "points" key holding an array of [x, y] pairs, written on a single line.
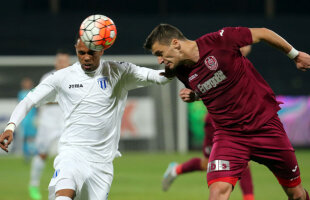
{"points": [[269, 146]]}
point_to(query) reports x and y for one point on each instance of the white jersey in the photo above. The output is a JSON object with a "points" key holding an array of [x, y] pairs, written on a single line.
{"points": [[93, 105]]}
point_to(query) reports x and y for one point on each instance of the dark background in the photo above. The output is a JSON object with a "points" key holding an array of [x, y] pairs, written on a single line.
{"points": [[40, 27]]}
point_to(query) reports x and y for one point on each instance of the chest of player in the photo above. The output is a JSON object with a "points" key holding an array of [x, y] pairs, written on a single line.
{"points": [[96, 88], [212, 74]]}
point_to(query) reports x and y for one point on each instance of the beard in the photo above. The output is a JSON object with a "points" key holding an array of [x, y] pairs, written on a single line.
{"points": [[169, 73]]}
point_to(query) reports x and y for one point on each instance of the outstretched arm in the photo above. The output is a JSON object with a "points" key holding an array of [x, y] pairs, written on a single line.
{"points": [[135, 76], [17, 116], [301, 59], [36, 96]]}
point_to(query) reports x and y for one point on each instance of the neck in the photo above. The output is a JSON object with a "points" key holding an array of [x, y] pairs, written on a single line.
{"points": [[91, 73], [192, 51]]}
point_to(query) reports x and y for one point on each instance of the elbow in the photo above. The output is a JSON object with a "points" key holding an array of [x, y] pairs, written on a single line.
{"points": [[264, 29], [259, 34], [265, 32]]}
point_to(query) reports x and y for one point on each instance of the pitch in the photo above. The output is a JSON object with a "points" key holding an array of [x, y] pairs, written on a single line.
{"points": [[138, 177]]}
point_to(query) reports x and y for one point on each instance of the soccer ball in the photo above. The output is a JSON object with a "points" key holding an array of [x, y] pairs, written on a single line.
{"points": [[98, 32]]}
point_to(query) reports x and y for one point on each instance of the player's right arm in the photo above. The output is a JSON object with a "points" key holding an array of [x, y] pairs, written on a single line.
{"points": [[17, 116], [301, 59], [45, 91]]}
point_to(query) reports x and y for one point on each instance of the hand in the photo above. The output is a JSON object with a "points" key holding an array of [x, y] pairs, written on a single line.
{"points": [[168, 73], [5, 139], [302, 61], [187, 95]]}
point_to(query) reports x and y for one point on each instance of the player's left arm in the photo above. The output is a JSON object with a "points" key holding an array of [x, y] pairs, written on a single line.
{"points": [[187, 95], [301, 59], [136, 76]]}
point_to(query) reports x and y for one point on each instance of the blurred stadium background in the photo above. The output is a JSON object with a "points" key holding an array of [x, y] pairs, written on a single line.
{"points": [[157, 127]]}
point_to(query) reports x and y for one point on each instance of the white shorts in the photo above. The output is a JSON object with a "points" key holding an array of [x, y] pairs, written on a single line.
{"points": [[90, 181]]}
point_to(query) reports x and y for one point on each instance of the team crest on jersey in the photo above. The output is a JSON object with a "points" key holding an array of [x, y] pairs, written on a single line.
{"points": [[102, 82], [56, 173], [211, 62]]}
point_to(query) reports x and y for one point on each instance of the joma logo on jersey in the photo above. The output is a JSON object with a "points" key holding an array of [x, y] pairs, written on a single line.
{"points": [[218, 77], [218, 165], [75, 86]]}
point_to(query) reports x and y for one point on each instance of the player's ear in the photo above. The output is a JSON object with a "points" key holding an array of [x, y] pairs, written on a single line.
{"points": [[176, 44]]}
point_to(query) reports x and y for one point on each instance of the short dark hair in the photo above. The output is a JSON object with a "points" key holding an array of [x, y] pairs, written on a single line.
{"points": [[163, 33]]}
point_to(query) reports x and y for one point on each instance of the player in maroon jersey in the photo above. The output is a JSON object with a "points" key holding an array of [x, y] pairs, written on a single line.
{"points": [[240, 102], [200, 164]]}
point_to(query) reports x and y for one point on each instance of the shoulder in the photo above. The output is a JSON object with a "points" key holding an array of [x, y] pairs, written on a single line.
{"points": [[226, 37], [68, 70], [61, 74], [46, 75], [118, 66], [210, 39], [235, 30], [225, 32], [212, 36]]}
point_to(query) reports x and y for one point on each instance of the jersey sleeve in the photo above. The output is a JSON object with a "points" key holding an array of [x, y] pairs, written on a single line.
{"points": [[21, 110], [45, 92], [46, 75], [135, 76], [234, 37]]}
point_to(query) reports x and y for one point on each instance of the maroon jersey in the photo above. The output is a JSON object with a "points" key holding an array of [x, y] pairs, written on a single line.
{"points": [[236, 95], [209, 135]]}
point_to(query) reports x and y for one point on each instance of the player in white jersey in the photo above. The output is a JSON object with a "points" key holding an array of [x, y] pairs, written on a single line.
{"points": [[50, 125], [92, 94]]}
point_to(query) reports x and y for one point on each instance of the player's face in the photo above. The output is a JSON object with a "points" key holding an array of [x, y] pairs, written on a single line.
{"points": [[88, 59], [169, 55]]}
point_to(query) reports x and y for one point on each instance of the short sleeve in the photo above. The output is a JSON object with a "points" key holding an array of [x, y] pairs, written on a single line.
{"points": [[235, 37]]}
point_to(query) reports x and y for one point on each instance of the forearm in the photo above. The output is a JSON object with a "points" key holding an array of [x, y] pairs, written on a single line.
{"points": [[17, 116], [21, 111], [301, 59], [272, 38], [155, 77]]}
